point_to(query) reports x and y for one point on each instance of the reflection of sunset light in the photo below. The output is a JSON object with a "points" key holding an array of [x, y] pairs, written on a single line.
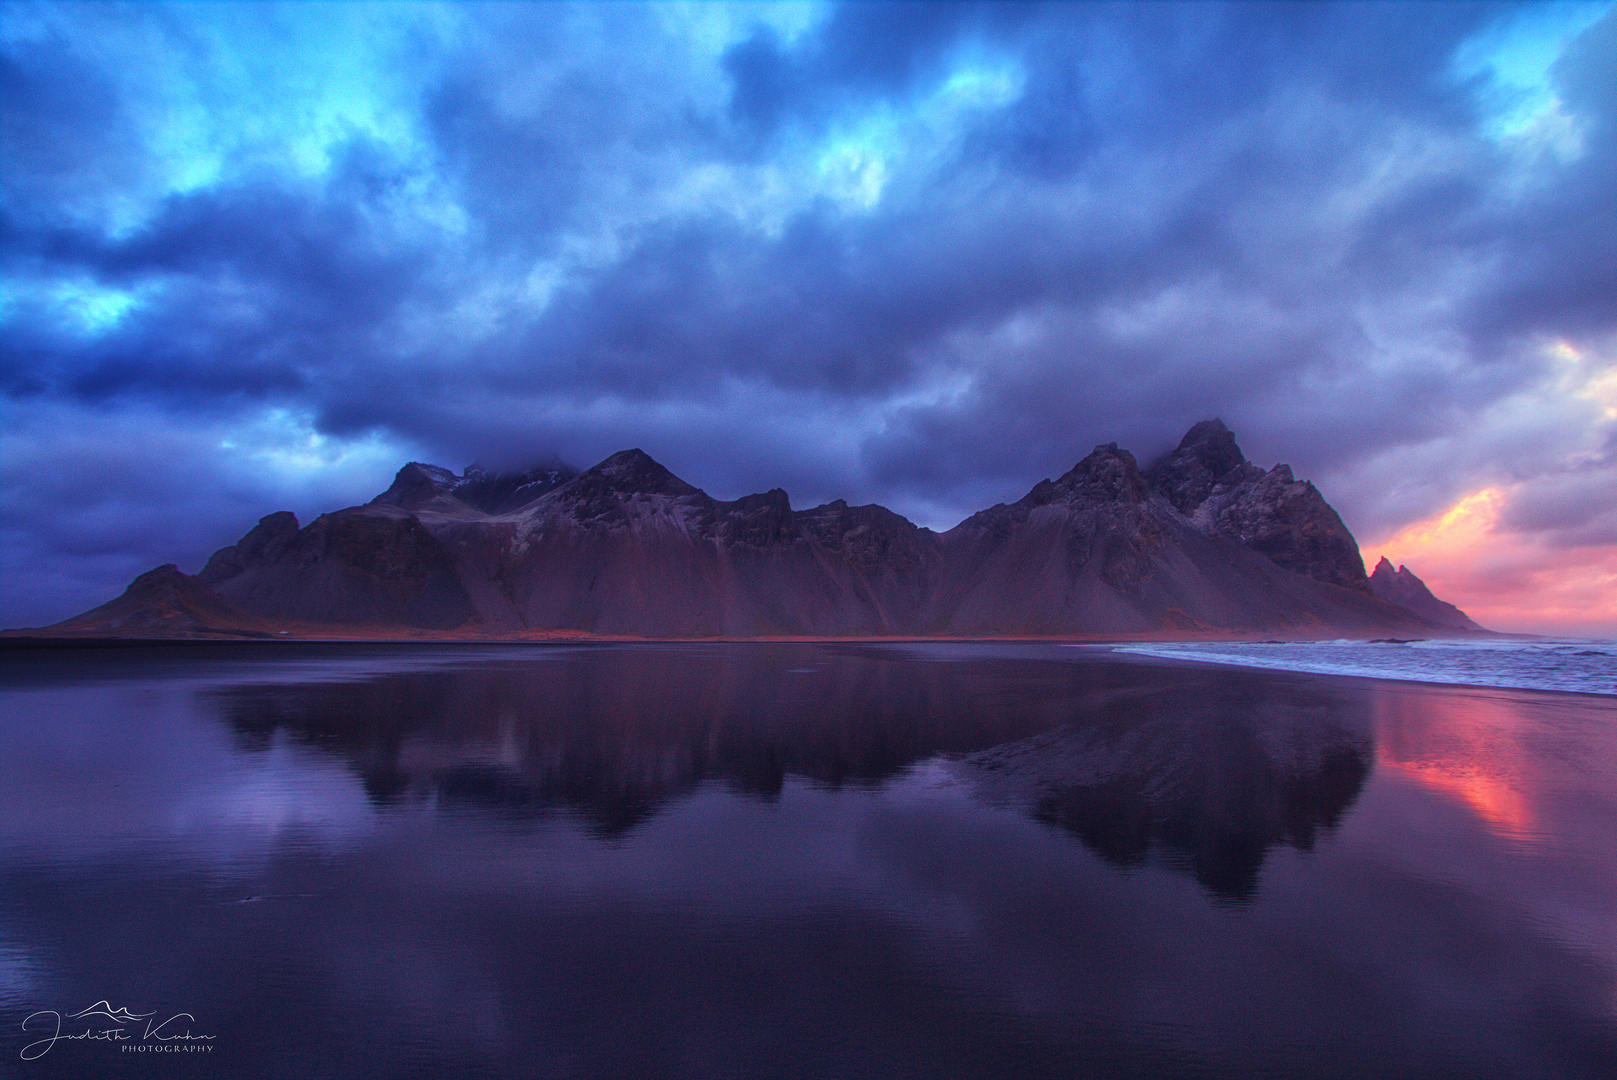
{"points": [[1494, 802], [1462, 746]]}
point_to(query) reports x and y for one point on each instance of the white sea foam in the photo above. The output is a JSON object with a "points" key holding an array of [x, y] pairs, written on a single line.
{"points": [[1566, 664]]}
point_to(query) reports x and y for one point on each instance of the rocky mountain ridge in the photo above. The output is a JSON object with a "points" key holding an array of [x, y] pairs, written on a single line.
{"points": [[1202, 541], [1211, 482], [1403, 588]]}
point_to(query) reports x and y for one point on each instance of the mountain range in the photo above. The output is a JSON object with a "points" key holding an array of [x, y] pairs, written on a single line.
{"points": [[1202, 541]]}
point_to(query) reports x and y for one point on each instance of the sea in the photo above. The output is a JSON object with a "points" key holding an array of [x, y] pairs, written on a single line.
{"points": [[1573, 665], [806, 860]]}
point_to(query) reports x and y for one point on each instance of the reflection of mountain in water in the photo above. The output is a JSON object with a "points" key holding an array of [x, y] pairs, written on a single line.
{"points": [[1210, 771], [1206, 768], [617, 732]]}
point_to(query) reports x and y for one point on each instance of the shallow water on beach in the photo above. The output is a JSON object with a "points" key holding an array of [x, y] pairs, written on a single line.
{"points": [[794, 860]]}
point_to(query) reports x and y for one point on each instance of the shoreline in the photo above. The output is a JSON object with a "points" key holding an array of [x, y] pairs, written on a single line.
{"points": [[34, 639], [1110, 648]]}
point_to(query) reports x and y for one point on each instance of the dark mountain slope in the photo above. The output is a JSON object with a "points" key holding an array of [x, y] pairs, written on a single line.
{"points": [[368, 566]]}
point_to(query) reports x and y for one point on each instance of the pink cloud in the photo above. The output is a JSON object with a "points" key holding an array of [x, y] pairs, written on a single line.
{"points": [[1507, 580]]}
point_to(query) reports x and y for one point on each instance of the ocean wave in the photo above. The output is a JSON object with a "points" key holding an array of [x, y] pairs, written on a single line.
{"points": [[1564, 664]]}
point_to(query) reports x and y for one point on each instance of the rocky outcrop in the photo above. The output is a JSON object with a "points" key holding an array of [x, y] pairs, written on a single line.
{"points": [[165, 603], [1287, 520], [1290, 522], [758, 521], [1202, 541], [1403, 588]]}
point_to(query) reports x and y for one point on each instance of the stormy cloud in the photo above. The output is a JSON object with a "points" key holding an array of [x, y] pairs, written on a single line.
{"points": [[257, 256]]}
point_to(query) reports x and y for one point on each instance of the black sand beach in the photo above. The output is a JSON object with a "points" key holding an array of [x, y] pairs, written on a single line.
{"points": [[800, 859]]}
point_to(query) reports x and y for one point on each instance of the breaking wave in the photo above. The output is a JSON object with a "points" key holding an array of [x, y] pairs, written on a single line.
{"points": [[1565, 664]]}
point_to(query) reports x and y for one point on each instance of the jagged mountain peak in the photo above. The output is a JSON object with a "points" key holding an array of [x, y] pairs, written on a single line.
{"points": [[1210, 481], [1108, 472], [1106, 475], [1386, 573], [634, 471], [490, 492], [606, 492], [1409, 592], [1211, 436], [1207, 457], [632, 458]]}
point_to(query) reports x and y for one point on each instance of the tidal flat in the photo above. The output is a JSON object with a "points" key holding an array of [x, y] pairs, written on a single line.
{"points": [[794, 859]]}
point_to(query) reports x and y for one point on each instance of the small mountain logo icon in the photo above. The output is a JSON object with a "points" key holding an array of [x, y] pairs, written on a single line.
{"points": [[120, 1015]]}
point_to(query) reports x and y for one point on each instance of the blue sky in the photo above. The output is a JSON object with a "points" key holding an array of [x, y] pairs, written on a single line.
{"points": [[256, 256]]}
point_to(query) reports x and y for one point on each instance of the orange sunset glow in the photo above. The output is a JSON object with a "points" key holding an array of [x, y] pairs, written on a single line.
{"points": [[1505, 580], [1521, 579]]}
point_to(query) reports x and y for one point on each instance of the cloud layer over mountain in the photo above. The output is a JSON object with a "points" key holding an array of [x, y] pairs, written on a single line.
{"points": [[257, 256]]}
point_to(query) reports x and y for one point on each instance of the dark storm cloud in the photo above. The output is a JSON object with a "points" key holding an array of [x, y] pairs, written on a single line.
{"points": [[1563, 239], [521, 176], [929, 252], [58, 113], [261, 290], [842, 306], [862, 50], [1229, 223], [1575, 507], [826, 306]]}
